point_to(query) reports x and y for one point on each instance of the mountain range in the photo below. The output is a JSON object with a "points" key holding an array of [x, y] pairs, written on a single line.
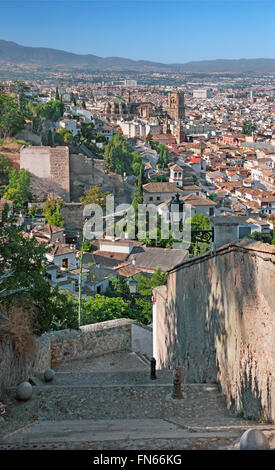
{"points": [[12, 53]]}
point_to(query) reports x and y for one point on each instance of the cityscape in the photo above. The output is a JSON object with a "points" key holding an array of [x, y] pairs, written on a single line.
{"points": [[137, 218]]}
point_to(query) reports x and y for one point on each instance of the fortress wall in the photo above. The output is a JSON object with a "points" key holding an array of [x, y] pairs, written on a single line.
{"points": [[218, 322], [51, 166]]}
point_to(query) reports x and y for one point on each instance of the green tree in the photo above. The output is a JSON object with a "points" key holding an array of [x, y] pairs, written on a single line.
{"points": [[18, 189], [47, 138], [33, 210], [163, 157], [24, 258], [52, 213], [102, 308], [11, 118], [256, 236], [118, 288], [149, 138], [200, 222], [52, 111], [66, 136], [248, 127], [94, 196], [118, 155], [146, 284], [57, 96], [136, 162], [5, 168], [138, 194], [87, 130]]}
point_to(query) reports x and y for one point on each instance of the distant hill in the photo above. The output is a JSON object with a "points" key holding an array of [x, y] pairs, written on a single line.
{"points": [[13, 53]]}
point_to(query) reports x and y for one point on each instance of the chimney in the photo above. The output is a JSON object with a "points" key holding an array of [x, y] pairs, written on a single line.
{"points": [[134, 261]]}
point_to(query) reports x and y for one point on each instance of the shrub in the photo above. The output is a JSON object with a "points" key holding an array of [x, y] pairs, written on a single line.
{"points": [[20, 326]]}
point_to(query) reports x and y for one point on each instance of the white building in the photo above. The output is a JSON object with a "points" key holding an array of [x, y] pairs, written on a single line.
{"points": [[176, 175], [69, 125], [202, 93]]}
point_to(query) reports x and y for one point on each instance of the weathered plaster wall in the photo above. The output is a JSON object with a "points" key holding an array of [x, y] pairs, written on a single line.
{"points": [[142, 339], [218, 321]]}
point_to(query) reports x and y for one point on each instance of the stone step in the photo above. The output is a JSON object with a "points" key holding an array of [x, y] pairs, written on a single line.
{"points": [[102, 379], [61, 402], [106, 430]]}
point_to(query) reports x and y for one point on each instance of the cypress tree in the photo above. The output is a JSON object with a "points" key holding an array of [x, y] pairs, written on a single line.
{"points": [[57, 97]]}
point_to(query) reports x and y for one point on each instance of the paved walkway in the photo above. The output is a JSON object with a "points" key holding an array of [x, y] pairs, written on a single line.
{"points": [[110, 402]]}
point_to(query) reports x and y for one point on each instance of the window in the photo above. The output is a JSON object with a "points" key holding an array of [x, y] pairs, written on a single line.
{"points": [[211, 211], [98, 289], [150, 198], [65, 263], [158, 198]]}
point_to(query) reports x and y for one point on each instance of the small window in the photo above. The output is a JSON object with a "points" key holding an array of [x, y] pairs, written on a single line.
{"points": [[98, 289], [65, 263], [211, 211], [150, 199], [158, 198]]}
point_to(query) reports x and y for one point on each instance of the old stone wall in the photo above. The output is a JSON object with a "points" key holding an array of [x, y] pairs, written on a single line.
{"points": [[67, 345], [85, 172], [90, 341], [73, 216], [50, 169], [218, 322]]}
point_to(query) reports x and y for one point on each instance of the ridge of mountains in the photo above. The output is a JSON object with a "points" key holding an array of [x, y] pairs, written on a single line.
{"points": [[12, 53]]}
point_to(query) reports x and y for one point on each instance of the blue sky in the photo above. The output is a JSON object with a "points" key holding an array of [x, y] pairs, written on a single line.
{"points": [[158, 30]]}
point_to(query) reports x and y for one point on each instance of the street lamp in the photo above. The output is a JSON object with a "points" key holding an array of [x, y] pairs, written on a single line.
{"points": [[132, 284]]}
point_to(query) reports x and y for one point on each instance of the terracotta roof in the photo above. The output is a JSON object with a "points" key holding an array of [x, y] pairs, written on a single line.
{"points": [[176, 168], [161, 188], [58, 249], [159, 258], [127, 271], [5, 201], [112, 255], [195, 200], [49, 229]]}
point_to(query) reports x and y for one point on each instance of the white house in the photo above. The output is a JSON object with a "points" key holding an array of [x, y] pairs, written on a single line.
{"points": [[61, 255], [69, 125]]}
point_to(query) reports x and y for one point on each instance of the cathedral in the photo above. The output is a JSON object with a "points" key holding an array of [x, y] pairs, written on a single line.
{"points": [[171, 119], [118, 108]]}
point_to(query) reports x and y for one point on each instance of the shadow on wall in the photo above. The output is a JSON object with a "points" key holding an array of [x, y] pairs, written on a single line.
{"points": [[218, 326], [43, 187]]}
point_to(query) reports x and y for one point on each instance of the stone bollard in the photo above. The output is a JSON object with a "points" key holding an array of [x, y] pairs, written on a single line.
{"points": [[24, 391], [153, 368], [49, 375], [177, 393], [254, 439]]}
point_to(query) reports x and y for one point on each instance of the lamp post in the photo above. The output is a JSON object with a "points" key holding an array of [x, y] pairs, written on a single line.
{"points": [[132, 284], [80, 275]]}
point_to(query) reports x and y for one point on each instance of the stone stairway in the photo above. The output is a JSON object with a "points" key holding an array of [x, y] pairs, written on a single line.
{"points": [[87, 407]]}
